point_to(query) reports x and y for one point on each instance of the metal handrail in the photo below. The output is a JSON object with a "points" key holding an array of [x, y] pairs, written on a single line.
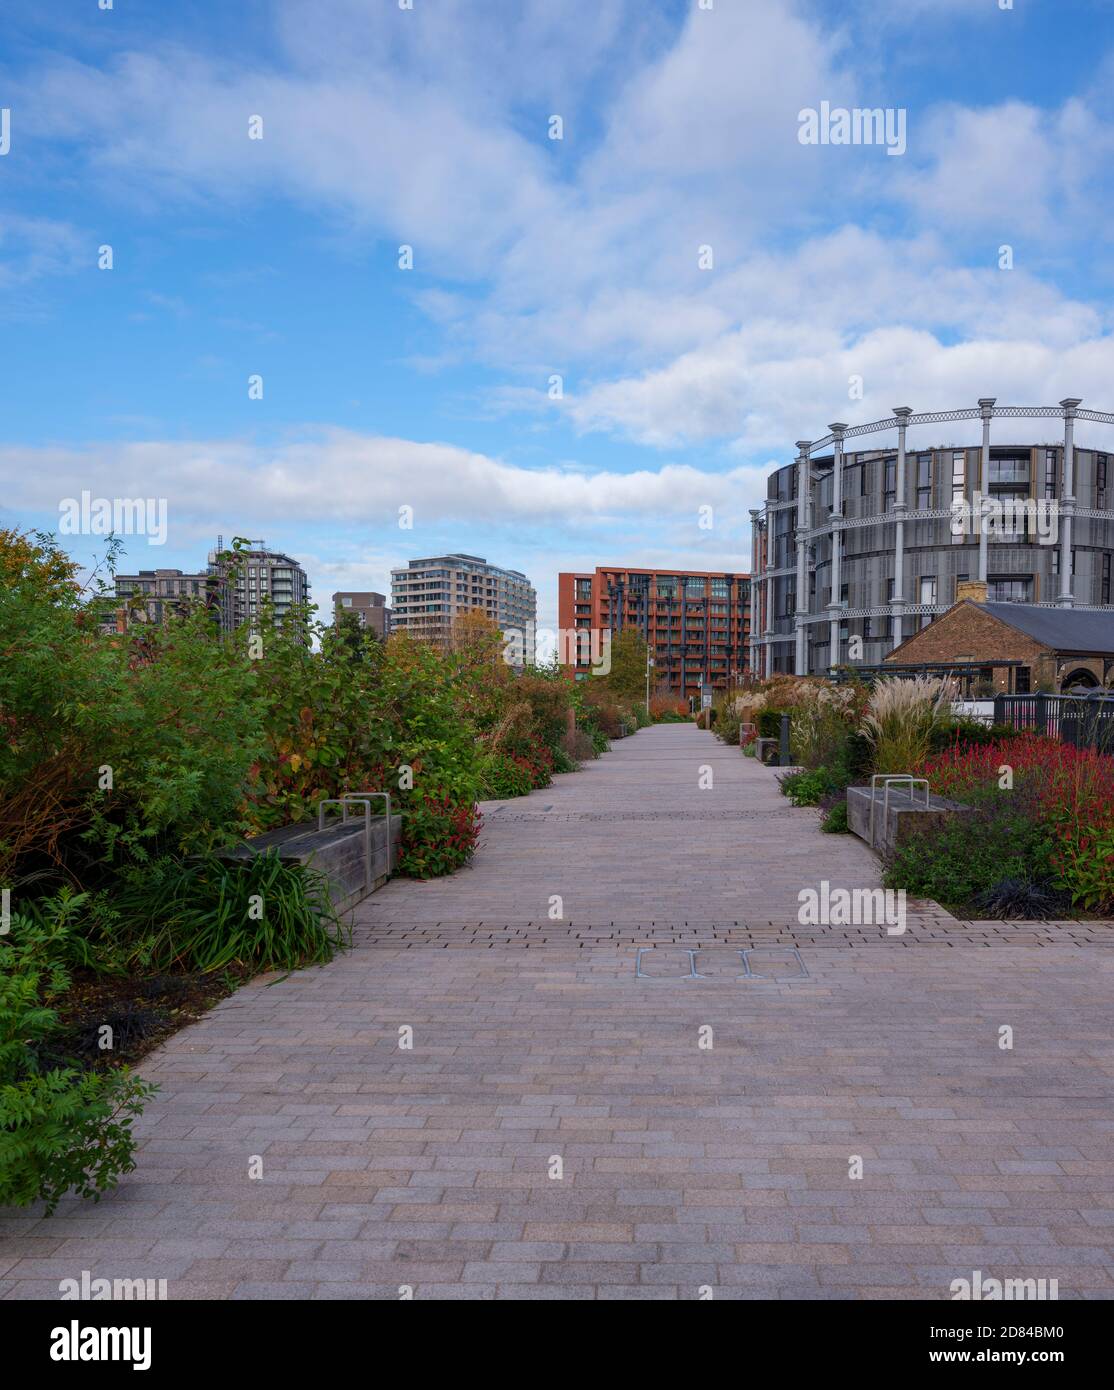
{"points": [[889, 779], [355, 796], [364, 799]]}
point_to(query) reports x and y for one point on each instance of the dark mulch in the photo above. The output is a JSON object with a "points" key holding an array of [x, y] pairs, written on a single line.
{"points": [[142, 1012]]}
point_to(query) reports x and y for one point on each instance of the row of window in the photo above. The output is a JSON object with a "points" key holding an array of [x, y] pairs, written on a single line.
{"points": [[1000, 588], [1009, 471], [666, 587]]}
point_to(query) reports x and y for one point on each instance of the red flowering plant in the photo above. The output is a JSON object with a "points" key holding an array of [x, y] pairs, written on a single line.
{"points": [[439, 834], [1069, 790]]}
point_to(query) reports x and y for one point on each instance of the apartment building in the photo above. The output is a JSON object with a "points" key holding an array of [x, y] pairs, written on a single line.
{"points": [[427, 595], [152, 596], [256, 577], [853, 552], [367, 607], [696, 623]]}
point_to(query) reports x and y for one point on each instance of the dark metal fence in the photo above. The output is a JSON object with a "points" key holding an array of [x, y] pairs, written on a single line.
{"points": [[1085, 721]]}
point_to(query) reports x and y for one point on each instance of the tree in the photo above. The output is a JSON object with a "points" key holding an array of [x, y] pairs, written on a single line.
{"points": [[626, 680]]}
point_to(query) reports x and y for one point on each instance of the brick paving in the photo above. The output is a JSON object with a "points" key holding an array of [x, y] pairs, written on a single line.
{"points": [[579, 1038]]}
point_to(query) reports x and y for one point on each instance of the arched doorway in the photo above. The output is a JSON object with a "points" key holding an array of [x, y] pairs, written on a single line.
{"points": [[1079, 679]]}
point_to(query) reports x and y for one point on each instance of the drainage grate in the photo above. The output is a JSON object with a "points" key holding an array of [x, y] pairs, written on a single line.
{"points": [[670, 963], [774, 963]]}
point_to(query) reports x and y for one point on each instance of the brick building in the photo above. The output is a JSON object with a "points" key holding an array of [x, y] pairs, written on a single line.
{"points": [[1018, 647], [696, 623], [367, 607]]}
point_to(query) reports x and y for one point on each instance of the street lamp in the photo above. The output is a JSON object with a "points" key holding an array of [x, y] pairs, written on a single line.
{"points": [[649, 663]]}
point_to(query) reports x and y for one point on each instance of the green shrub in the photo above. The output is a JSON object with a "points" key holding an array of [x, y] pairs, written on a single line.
{"points": [[1085, 867], [805, 788], [208, 913], [769, 722], [502, 777], [956, 859], [855, 761], [600, 741], [835, 821], [547, 695], [61, 1128]]}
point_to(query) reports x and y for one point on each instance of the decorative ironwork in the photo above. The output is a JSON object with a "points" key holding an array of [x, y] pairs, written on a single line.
{"points": [[939, 417]]}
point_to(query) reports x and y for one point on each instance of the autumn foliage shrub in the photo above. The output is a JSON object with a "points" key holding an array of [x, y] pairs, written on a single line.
{"points": [[668, 708]]}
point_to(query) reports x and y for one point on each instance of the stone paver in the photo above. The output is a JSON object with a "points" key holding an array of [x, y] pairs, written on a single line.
{"points": [[537, 1039]]}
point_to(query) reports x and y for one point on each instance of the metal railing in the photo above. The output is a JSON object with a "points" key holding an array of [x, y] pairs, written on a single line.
{"points": [[1084, 721]]}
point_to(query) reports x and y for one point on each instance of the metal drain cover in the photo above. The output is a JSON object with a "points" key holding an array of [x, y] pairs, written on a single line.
{"points": [[774, 963], [718, 963]]}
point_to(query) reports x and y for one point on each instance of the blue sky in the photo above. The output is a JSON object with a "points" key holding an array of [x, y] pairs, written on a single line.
{"points": [[532, 257]]}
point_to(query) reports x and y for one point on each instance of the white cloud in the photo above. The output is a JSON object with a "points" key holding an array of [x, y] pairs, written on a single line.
{"points": [[579, 257], [1013, 169], [339, 476], [31, 247]]}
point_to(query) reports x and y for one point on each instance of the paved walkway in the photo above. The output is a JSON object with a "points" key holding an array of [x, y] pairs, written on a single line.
{"points": [[580, 1039]]}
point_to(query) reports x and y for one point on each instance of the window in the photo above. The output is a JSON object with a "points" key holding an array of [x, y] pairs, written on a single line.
{"points": [[889, 485], [1051, 471], [924, 480], [1009, 472], [1009, 588], [1100, 478], [959, 475], [1021, 680], [959, 496], [1104, 592], [719, 588], [1009, 486], [694, 588], [346, 603], [928, 595]]}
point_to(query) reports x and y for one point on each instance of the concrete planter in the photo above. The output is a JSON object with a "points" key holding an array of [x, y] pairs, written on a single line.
{"points": [[354, 861], [766, 750], [906, 811]]}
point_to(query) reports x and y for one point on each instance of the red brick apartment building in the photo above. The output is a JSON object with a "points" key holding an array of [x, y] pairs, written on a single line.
{"points": [[696, 624]]}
